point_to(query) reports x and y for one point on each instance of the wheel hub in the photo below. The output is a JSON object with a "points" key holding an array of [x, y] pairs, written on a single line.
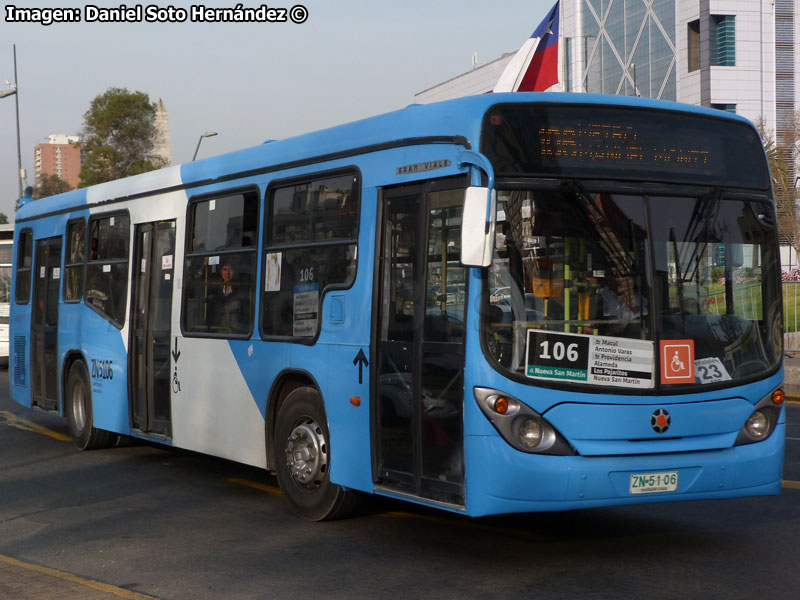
{"points": [[78, 405], [307, 454]]}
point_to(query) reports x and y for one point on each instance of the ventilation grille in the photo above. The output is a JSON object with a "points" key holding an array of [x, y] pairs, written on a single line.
{"points": [[20, 364]]}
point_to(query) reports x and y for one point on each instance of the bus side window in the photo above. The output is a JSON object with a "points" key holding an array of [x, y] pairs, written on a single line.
{"points": [[312, 246], [24, 266], [73, 267], [219, 282], [107, 269]]}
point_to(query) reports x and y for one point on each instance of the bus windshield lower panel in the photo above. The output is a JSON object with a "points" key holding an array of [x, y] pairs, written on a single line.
{"points": [[593, 287]]}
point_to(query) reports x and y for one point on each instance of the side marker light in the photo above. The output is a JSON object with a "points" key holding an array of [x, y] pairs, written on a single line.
{"points": [[778, 396], [355, 400]]}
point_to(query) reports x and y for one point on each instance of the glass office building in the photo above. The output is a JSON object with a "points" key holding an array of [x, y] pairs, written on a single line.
{"points": [[625, 47]]}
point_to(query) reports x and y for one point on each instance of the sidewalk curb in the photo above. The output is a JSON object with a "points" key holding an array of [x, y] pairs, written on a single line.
{"points": [[73, 579]]}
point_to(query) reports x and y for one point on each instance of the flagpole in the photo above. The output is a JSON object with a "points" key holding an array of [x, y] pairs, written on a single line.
{"points": [[562, 49]]}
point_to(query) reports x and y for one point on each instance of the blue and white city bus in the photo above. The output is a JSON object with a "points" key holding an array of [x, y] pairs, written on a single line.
{"points": [[503, 303]]}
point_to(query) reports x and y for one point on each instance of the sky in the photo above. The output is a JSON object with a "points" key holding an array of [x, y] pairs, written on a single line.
{"points": [[249, 82]]}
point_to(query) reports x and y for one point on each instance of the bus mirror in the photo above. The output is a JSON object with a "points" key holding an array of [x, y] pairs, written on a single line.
{"points": [[477, 227]]}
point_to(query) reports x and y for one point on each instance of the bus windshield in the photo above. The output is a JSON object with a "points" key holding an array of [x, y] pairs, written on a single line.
{"points": [[621, 273]]}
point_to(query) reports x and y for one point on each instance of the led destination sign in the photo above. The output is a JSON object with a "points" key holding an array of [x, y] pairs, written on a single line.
{"points": [[604, 142]]}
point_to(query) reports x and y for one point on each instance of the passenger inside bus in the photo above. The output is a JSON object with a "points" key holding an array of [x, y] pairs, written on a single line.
{"points": [[229, 305]]}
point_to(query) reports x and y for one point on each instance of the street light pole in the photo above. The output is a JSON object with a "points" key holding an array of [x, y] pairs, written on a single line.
{"points": [[14, 91], [205, 135], [16, 101]]}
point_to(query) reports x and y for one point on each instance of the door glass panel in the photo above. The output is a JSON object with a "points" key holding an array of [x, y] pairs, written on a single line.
{"points": [[400, 237], [161, 307], [138, 347], [397, 332], [443, 334], [445, 293]]}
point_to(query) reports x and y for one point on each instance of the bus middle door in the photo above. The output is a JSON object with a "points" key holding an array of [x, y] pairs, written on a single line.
{"points": [[150, 336]]}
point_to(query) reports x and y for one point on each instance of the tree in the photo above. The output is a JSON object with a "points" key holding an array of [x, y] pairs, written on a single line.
{"points": [[118, 137], [50, 185], [781, 155], [3, 219]]}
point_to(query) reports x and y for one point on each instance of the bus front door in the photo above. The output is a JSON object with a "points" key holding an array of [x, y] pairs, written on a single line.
{"points": [[44, 324], [420, 344], [150, 336]]}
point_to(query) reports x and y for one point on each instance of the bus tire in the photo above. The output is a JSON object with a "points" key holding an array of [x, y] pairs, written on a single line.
{"points": [[302, 455], [78, 406]]}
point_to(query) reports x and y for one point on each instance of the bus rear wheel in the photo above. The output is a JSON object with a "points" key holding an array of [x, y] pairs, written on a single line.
{"points": [[302, 454], [78, 400]]}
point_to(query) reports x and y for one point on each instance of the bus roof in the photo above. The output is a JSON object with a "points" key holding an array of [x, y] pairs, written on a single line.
{"points": [[457, 120]]}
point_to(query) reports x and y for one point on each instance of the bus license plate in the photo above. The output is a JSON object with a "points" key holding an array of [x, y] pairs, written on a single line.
{"points": [[649, 483]]}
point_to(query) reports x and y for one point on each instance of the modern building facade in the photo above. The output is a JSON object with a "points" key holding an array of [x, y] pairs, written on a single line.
{"points": [[60, 156], [735, 55]]}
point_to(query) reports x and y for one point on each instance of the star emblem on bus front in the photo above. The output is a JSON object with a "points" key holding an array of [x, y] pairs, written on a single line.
{"points": [[660, 420]]}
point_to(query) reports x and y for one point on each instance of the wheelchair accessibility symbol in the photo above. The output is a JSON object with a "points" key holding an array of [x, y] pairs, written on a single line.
{"points": [[677, 361], [677, 366]]}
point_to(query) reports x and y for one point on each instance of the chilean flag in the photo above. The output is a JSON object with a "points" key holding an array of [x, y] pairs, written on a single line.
{"points": [[535, 66]]}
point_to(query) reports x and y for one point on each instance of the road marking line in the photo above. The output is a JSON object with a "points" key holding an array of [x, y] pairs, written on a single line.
{"points": [[256, 485], [795, 485], [97, 585], [13, 420]]}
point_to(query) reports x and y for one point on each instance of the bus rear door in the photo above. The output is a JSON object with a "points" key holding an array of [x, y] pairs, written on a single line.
{"points": [[44, 325]]}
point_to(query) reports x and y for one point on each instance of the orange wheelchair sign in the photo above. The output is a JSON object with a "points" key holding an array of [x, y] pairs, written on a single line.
{"points": [[677, 361]]}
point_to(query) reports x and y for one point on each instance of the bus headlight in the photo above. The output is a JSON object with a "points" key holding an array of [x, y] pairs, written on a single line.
{"points": [[520, 425], [760, 425], [530, 432], [757, 425]]}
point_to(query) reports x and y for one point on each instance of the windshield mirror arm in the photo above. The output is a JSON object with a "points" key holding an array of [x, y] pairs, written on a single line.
{"points": [[477, 163], [479, 213]]}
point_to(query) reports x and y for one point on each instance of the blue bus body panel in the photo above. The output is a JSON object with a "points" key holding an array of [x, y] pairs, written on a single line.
{"points": [[102, 342], [612, 429]]}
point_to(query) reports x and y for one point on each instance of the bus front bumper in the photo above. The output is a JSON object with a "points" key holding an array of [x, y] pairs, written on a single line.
{"points": [[501, 479]]}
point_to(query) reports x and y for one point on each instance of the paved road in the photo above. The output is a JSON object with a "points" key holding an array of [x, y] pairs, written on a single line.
{"points": [[176, 525]]}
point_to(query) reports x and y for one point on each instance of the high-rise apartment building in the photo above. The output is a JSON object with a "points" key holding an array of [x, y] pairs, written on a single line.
{"points": [[161, 134], [59, 156]]}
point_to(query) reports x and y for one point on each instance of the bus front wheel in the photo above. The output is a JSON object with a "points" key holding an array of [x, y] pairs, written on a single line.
{"points": [[78, 398], [302, 453]]}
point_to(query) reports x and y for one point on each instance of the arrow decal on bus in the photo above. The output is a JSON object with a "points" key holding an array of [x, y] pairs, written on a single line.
{"points": [[361, 361], [176, 353]]}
